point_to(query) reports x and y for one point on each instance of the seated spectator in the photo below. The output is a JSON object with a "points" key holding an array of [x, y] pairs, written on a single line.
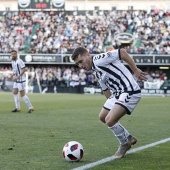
{"points": [[60, 32]]}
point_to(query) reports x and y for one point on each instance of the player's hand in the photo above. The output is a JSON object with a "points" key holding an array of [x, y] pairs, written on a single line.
{"points": [[15, 78], [140, 74]]}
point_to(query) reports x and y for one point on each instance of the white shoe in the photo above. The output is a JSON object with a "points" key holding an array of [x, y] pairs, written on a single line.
{"points": [[30, 110], [120, 153]]}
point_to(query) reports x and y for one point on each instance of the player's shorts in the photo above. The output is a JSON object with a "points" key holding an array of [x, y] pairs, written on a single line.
{"points": [[19, 86], [126, 100]]}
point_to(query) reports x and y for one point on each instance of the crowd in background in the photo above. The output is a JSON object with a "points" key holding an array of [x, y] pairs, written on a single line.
{"points": [[66, 76], [57, 33], [62, 75], [61, 32]]}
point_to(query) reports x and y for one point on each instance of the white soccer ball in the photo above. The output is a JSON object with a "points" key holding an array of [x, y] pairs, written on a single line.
{"points": [[73, 151]]}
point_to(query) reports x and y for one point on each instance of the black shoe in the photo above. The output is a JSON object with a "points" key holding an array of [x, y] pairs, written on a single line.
{"points": [[16, 110]]}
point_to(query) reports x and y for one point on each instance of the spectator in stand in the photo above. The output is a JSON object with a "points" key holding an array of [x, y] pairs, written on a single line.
{"points": [[85, 77], [150, 29], [14, 32], [74, 79]]}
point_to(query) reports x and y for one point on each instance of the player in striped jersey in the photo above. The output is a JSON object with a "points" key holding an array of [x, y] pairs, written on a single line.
{"points": [[19, 78], [118, 85]]}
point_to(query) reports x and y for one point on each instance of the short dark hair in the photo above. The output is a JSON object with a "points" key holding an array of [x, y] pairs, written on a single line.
{"points": [[78, 51]]}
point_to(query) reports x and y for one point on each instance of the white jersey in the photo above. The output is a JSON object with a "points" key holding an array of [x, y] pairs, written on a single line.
{"points": [[112, 74], [17, 67]]}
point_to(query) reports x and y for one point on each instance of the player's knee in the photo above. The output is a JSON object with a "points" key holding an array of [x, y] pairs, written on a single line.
{"points": [[15, 92], [102, 118], [110, 122], [22, 93]]}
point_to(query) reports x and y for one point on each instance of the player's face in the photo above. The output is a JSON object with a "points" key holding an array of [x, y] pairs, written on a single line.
{"points": [[14, 55], [84, 61]]}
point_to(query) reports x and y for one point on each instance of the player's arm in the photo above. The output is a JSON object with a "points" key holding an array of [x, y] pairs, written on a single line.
{"points": [[11, 75], [107, 93], [137, 72], [104, 88], [22, 72]]}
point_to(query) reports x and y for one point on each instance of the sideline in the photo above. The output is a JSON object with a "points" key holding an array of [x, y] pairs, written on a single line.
{"points": [[108, 159]]}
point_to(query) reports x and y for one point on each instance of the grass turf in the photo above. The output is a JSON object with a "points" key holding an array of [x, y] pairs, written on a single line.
{"points": [[35, 141]]}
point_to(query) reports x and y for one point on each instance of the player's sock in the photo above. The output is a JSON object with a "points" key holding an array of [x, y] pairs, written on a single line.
{"points": [[27, 101], [17, 101], [120, 132]]}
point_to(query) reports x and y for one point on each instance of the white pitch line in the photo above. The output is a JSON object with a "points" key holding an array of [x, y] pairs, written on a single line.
{"points": [[111, 158]]}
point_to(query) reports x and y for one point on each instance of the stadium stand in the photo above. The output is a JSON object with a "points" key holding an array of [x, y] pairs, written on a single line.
{"points": [[52, 32], [60, 32]]}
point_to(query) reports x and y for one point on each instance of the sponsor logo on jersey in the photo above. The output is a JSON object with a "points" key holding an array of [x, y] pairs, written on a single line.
{"points": [[109, 54], [127, 98], [120, 101]]}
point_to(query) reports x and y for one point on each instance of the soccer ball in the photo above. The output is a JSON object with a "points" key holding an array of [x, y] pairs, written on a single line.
{"points": [[73, 151]]}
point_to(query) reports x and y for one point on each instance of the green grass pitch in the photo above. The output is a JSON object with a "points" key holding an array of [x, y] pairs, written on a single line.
{"points": [[35, 141]]}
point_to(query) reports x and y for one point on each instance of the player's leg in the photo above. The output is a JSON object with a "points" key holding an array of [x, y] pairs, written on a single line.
{"points": [[21, 88], [112, 120], [16, 98], [123, 136], [102, 116], [119, 131], [104, 113]]}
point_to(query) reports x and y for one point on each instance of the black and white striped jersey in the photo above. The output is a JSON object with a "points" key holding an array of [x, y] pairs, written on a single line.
{"points": [[17, 67], [112, 74]]}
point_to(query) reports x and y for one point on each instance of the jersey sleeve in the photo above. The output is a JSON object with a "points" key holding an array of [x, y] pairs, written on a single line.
{"points": [[21, 63], [13, 69], [106, 58], [102, 85], [114, 54]]}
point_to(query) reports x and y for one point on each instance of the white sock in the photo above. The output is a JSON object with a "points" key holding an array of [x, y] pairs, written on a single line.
{"points": [[27, 101], [44, 91], [17, 101], [120, 132], [55, 89]]}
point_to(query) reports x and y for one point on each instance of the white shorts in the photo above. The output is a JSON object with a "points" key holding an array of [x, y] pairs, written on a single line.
{"points": [[126, 100], [19, 86]]}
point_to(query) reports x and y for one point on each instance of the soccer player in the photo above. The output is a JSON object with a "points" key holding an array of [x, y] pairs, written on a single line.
{"points": [[118, 85], [19, 78]]}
